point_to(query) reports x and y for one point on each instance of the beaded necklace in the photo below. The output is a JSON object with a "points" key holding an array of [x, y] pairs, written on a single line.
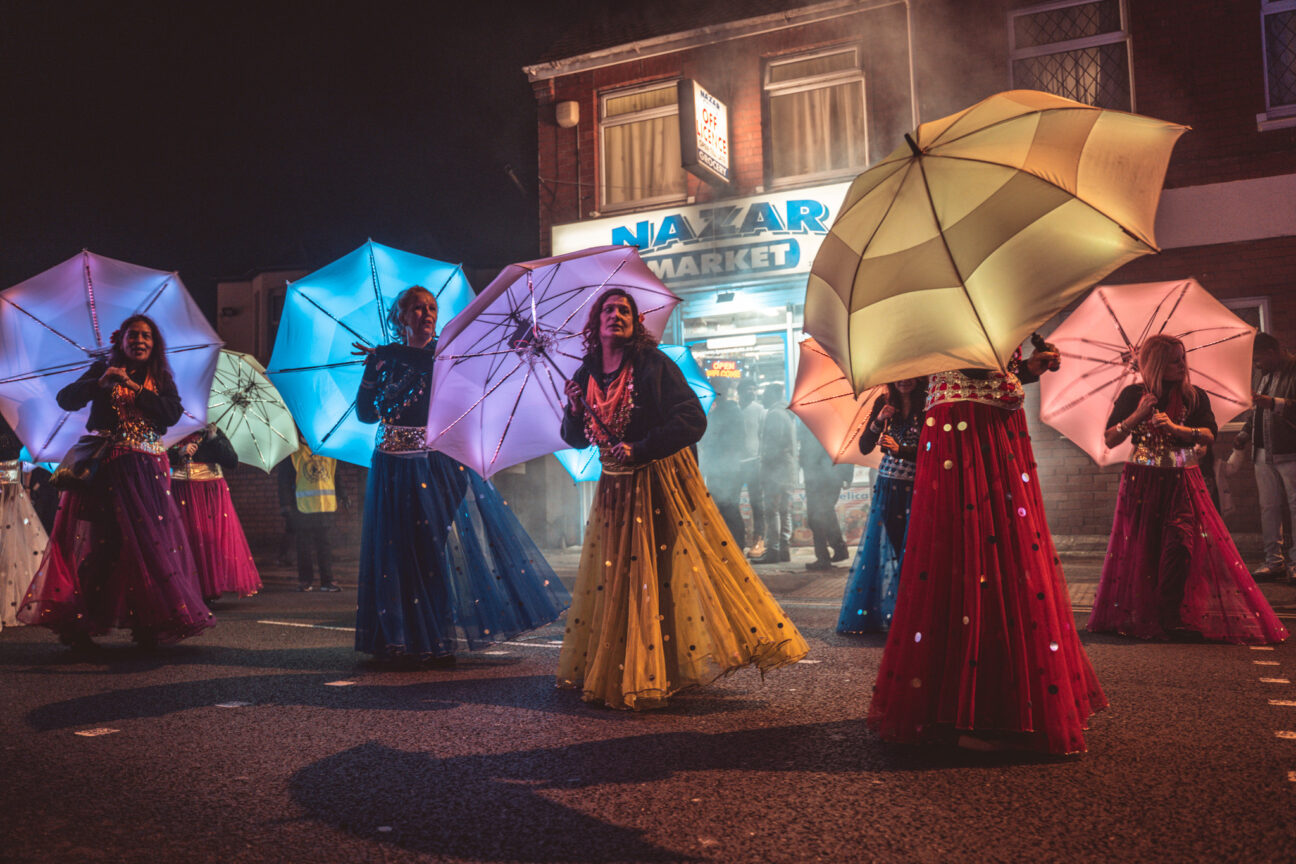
{"points": [[612, 406], [396, 392]]}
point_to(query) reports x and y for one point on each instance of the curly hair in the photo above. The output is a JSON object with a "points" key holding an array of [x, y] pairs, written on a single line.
{"points": [[401, 305], [639, 337], [1154, 354], [157, 366]]}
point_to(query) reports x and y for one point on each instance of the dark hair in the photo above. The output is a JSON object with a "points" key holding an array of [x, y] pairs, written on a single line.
{"points": [[1266, 342], [401, 305], [639, 336], [156, 366], [917, 398]]}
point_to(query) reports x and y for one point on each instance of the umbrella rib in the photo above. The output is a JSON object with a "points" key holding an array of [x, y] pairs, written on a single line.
{"points": [[153, 298], [1179, 296], [42, 373], [90, 298], [54, 432], [325, 437], [1083, 396], [338, 365], [480, 400], [512, 413], [377, 289], [332, 317], [66, 339], [1120, 328]]}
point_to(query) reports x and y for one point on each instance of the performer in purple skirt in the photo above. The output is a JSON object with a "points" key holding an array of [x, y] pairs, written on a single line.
{"points": [[118, 555]]}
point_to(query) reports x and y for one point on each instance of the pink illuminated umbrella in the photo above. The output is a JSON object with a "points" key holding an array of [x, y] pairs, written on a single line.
{"points": [[1099, 343], [56, 324], [828, 406], [497, 392]]}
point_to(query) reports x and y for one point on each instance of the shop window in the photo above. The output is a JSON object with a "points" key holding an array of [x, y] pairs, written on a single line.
{"points": [[1278, 28], [1079, 50], [815, 106], [640, 145]]}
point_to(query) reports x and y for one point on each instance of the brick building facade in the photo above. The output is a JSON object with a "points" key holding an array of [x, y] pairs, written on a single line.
{"points": [[1227, 217]]}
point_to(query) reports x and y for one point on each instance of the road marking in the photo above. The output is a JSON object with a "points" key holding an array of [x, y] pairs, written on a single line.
{"points": [[235, 704], [1266, 662], [95, 733], [1285, 735], [1261, 647], [1283, 703], [339, 683], [1291, 776], [1275, 681], [308, 626]]}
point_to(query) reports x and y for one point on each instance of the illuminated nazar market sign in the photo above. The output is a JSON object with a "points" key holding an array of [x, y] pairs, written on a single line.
{"points": [[775, 234]]}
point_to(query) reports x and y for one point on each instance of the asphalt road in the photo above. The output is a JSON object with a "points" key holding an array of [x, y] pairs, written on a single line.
{"points": [[269, 739]]}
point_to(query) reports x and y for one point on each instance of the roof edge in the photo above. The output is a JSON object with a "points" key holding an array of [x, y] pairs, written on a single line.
{"points": [[681, 41]]}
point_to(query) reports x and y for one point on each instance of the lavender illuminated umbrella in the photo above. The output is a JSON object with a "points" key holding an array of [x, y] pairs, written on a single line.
{"points": [[314, 365], [584, 464], [56, 324], [497, 392]]}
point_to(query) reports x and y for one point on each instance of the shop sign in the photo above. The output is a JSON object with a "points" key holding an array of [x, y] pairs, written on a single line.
{"points": [[704, 133], [772, 235], [723, 369]]}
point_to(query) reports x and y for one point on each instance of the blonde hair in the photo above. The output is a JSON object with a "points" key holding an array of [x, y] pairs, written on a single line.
{"points": [[1154, 355], [401, 305]]}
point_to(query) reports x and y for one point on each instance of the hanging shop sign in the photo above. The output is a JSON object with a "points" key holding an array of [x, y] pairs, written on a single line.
{"points": [[704, 133], [771, 235]]}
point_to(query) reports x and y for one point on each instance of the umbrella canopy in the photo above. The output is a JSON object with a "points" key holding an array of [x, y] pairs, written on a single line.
{"points": [[1099, 343], [314, 365], [509, 353], [828, 406], [584, 464], [978, 229], [250, 411], [56, 324]]}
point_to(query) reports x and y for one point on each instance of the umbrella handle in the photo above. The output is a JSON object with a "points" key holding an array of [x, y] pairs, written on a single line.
{"points": [[584, 404]]}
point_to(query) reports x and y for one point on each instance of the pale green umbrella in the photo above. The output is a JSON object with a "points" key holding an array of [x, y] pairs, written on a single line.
{"points": [[250, 411]]}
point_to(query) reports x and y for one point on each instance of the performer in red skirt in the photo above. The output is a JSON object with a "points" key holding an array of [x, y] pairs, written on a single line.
{"points": [[1172, 570], [983, 639], [199, 464]]}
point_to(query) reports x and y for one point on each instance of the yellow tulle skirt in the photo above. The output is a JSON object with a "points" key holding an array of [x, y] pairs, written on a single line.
{"points": [[664, 599]]}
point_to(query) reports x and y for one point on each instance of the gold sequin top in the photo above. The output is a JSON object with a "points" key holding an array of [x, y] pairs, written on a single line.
{"points": [[133, 429], [197, 471], [401, 439], [1157, 448], [10, 472], [997, 389]]}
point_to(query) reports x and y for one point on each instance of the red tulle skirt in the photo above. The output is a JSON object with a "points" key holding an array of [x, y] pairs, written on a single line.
{"points": [[220, 548], [119, 557], [1171, 562], [983, 638]]}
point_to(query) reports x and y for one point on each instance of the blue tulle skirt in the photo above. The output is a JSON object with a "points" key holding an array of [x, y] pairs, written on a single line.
{"points": [[874, 577], [444, 563]]}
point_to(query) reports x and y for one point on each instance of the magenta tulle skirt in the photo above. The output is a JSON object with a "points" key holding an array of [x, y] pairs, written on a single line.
{"points": [[1171, 564], [119, 557], [220, 548], [982, 639]]}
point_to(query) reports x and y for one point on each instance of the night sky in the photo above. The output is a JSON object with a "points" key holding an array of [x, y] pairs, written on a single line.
{"points": [[218, 139]]}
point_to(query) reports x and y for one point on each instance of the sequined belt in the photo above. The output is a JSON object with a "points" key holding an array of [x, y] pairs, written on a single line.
{"points": [[10, 472], [401, 439], [151, 446], [1163, 458], [895, 468], [197, 471]]}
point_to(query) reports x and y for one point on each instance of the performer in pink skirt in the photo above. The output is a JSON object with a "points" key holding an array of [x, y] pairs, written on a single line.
{"points": [[118, 555], [220, 549], [1172, 570]]}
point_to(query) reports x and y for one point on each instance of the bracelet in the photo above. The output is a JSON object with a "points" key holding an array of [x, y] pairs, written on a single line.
{"points": [[1120, 427]]}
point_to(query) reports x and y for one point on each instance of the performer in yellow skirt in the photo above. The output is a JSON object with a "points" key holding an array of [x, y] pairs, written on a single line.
{"points": [[664, 599]]}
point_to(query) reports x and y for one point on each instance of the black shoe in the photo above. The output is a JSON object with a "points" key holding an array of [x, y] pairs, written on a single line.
{"points": [[820, 564], [839, 554], [330, 587], [305, 587], [1268, 574], [784, 555], [770, 557]]}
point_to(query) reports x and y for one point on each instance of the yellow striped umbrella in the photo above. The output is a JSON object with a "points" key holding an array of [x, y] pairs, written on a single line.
{"points": [[978, 229]]}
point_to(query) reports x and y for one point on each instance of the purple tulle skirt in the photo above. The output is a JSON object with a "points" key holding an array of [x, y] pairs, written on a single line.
{"points": [[1172, 564], [220, 548], [119, 557]]}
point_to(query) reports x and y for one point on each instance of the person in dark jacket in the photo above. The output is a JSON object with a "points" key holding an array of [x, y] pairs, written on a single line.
{"points": [[722, 459], [664, 598], [1270, 434], [199, 464], [824, 483], [118, 555], [778, 465]]}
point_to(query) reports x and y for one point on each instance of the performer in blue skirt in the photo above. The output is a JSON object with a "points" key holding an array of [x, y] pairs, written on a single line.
{"points": [[894, 423], [443, 562]]}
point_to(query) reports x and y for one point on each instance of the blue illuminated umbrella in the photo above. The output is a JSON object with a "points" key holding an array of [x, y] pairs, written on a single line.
{"points": [[584, 464], [314, 365], [56, 324]]}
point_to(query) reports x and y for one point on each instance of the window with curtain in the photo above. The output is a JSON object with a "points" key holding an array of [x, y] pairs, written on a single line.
{"points": [[815, 110], [1278, 26], [640, 142], [1079, 50]]}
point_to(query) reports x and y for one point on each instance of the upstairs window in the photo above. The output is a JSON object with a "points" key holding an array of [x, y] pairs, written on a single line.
{"points": [[816, 116], [640, 143], [1278, 26], [1079, 50]]}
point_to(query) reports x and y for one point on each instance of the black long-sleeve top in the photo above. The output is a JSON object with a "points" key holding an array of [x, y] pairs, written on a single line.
{"points": [[1127, 402], [162, 409], [666, 417], [904, 430], [214, 448], [396, 386]]}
